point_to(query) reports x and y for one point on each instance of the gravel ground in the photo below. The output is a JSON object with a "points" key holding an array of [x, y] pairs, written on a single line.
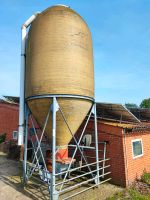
{"points": [[11, 187]]}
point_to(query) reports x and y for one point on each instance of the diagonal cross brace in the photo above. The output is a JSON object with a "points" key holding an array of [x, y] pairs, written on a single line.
{"points": [[39, 142], [77, 143]]}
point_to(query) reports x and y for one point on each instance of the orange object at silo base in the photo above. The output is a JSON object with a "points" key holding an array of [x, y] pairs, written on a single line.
{"points": [[59, 60], [61, 158], [62, 153]]}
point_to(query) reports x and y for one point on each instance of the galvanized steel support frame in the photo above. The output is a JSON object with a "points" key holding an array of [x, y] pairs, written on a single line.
{"points": [[35, 165]]}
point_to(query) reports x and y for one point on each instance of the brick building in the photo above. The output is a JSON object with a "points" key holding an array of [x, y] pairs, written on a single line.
{"points": [[9, 119], [127, 163], [127, 142], [9, 113]]}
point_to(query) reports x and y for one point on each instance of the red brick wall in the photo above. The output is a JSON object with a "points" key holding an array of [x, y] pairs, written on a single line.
{"points": [[113, 136], [8, 119], [136, 166]]}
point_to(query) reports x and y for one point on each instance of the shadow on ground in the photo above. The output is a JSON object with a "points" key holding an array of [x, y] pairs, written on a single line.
{"points": [[11, 180], [32, 190]]}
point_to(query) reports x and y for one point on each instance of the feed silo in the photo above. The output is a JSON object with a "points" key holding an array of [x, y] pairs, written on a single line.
{"points": [[57, 91], [59, 61]]}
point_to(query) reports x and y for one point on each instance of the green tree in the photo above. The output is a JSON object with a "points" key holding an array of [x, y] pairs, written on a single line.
{"points": [[145, 103], [131, 105]]}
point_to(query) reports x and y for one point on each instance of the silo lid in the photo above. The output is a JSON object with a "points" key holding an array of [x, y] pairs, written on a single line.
{"points": [[62, 5]]}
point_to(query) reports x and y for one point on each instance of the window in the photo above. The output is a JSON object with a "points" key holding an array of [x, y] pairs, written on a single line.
{"points": [[15, 135], [137, 148]]}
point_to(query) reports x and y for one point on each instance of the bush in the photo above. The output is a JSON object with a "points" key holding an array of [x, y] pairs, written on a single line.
{"points": [[2, 138], [146, 178], [14, 151]]}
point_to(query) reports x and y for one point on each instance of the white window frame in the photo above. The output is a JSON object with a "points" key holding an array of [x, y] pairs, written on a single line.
{"points": [[137, 140], [15, 138]]}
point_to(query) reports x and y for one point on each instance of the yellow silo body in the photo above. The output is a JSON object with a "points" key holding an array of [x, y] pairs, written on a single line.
{"points": [[59, 61]]}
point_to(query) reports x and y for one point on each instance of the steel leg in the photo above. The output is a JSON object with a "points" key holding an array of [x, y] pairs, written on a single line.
{"points": [[104, 159], [54, 193], [96, 143]]}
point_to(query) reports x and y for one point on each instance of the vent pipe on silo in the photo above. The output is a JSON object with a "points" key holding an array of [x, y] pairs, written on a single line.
{"points": [[22, 77]]}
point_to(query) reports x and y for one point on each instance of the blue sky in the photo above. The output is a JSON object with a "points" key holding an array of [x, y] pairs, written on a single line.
{"points": [[121, 42]]}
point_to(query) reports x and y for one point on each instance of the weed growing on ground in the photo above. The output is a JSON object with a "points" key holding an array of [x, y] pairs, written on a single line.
{"points": [[130, 194], [146, 178]]}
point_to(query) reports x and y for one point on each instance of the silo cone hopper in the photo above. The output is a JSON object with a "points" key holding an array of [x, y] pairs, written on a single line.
{"points": [[59, 62]]}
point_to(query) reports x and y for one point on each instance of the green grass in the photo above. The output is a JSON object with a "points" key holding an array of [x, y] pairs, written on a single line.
{"points": [[119, 196], [146, 178], [130, 194], [135, 195]]}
